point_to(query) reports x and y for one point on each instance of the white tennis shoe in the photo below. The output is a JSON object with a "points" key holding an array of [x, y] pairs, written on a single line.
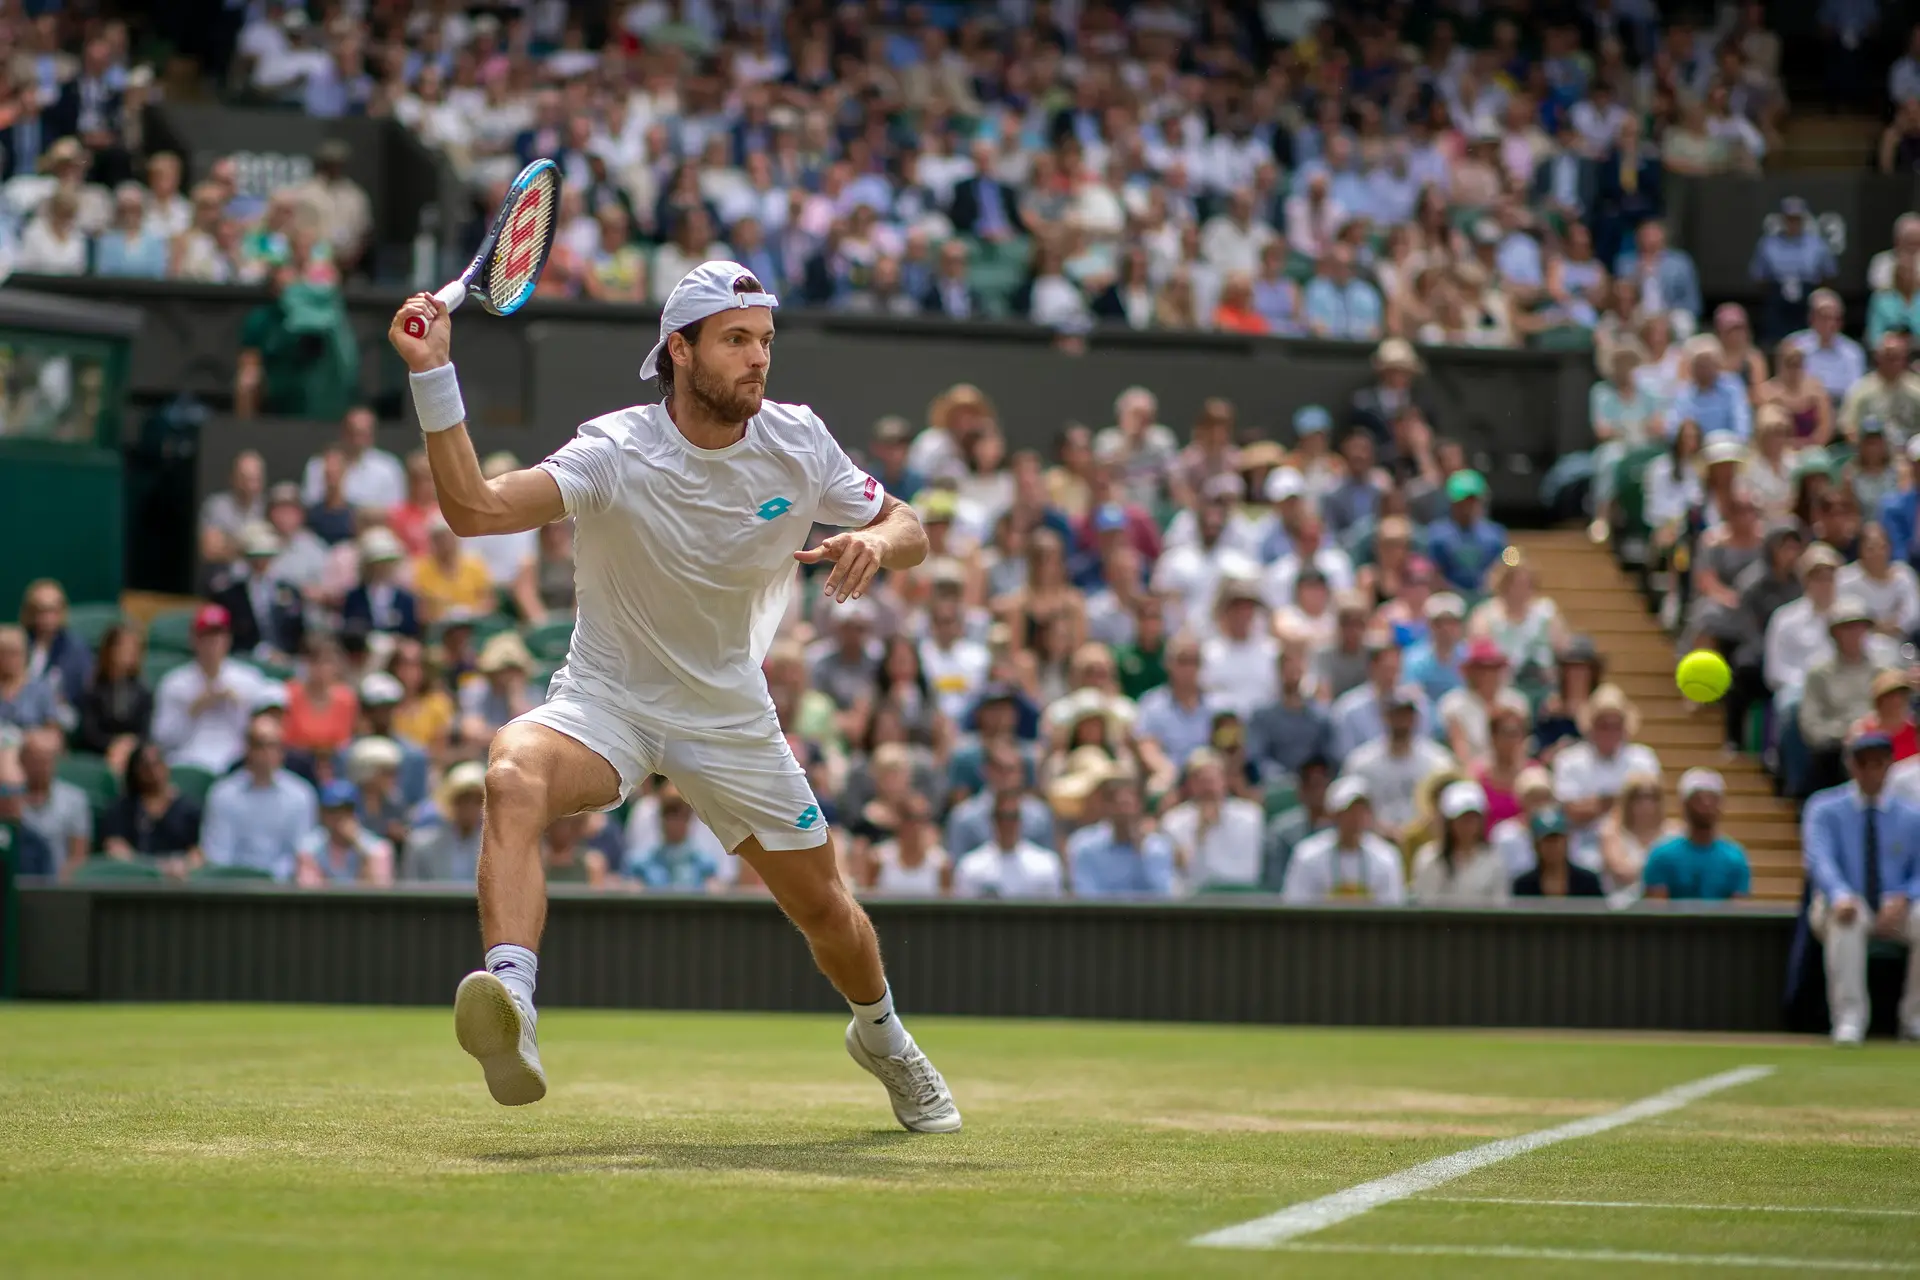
{"points": [[921, 1100], [492, 1026]]}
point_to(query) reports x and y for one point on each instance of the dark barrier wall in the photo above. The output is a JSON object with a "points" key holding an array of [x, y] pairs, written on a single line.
{"points": [[559, 363], [1213, 962], [1719, 220]]}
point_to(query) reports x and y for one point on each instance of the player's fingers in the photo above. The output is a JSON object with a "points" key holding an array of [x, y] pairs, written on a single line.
{"points": [[811, 555], [858, 569], [865, 575]]}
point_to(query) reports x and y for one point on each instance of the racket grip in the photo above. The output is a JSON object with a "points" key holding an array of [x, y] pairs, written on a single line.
{"points": [[449, 296]]}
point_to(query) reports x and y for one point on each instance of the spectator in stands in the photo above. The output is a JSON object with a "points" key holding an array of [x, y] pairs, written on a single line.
{"points": [[1719, 401], [1340, 306], [115, 709], [257, 815], [51, 808], [1589, 776], [1701, 864], [447, 848], [201, 709], [1631, 829], [1667, 278], [372, 478], [268, 614], [338, 204], [1393, 763], [679, 863], [1460, 868], [1893, 714], [1553, 876], [302, 561], [379, 602], [54, 243], [449, 576], [1007, 864], [1347, 861], [131, 246], [1175, 719], [512, 558], [54, 653], [339, 850], [1862, 853], [1835, 360], [1895, 308], [1789, 263], [225, 513], [321, 705], [1888, 393], [151, 818], [1465, 545], [1465, 716], [1797, 635], [1293, 728], [1216, 836], [1121, 855], [1839, 691]]}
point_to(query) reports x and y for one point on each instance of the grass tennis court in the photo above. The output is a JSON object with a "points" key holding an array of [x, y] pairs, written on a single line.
{"points": [[291, 1142]]}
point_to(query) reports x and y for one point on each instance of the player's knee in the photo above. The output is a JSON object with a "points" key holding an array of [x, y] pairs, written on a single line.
{"points": [[825, 908], [514, 784]]}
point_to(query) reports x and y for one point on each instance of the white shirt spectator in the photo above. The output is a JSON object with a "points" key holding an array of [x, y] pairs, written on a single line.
{"points": [[1797, 641], [1311, 230], [1903, 81], [1581, 773], [1895, 598], [43, 251], [1232, 247], [1460, 707], [1597, 126], [506, 554], [1477, 878], [1394, 780], [1838, 365], [1277, 584], [1024, 871], [1670, 492], [897, 880], [216, 736], [374, 479], [1226, 853], [955, 674], [1322, 871], [1239, 675], [1192, 575]]}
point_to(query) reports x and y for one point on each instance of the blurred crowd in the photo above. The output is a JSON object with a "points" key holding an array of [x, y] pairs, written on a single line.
{"points": [[1452, 173], [1155, 664]]}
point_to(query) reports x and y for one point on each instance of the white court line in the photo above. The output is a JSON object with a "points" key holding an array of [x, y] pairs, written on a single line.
{"points": [[1838, 1210], [1317, 1215], [1605, 1255]]}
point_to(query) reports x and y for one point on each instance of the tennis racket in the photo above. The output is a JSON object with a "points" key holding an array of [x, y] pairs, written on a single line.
{"points": [[503, 274]]}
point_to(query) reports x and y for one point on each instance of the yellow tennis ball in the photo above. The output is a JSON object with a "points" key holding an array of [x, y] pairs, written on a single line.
{"points": [[1703, 676]]}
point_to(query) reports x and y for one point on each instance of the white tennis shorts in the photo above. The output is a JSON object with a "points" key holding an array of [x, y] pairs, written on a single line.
{"points": [[750, 786]]}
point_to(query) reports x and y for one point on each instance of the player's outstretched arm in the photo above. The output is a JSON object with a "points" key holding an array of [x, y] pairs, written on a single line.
{"points": [[472, 504], [893, 540]]}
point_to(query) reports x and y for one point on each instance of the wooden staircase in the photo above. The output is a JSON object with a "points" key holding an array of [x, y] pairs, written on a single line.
{"points": [[1599, 601]]}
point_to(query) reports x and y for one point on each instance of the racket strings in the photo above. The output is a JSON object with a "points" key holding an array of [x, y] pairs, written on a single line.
{"points": [[522, 249]]}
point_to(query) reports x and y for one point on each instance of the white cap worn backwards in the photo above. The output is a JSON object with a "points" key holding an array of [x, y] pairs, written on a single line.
{"points": [[706, 290]]}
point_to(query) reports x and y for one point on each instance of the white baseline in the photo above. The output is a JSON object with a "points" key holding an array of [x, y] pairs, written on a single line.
{"points": [[1611, 1256], [1833, 1210], [1317, 1215]]}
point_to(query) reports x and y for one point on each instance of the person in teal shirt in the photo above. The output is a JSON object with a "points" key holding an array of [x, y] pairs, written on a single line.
{"points": [[1700, 864], [1895, 308], [678, 863]]}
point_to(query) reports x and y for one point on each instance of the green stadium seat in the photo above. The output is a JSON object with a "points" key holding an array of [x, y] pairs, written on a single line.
{"points": [[158, 662], [92, 775], [549, 640], [193, 782], [211, 872], [172, 632], [1563, 337], [100, 868], [1280, 797], [90, 621]]}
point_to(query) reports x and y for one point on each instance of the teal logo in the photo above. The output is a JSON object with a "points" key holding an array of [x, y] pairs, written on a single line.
{"points": [[810, 814], [774, 508]]}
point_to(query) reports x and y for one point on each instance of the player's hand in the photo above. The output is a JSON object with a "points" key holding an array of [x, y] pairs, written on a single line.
{"points": [[856, 558], [431, 351]]}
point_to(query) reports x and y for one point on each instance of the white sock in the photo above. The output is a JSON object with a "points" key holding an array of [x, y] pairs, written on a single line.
{"points": [[517, 967], [878, 1028]]}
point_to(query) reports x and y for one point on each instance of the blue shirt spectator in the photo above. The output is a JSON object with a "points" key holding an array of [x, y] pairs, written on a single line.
{"points": [[1900, 517], [1437, 672], [1180, 726], [1832, 357], [1518, 257], [35, 702], [1720, 408], [138, 253], [1833, 833], [1465, 545], [970, 823], [257, 816], [1339, 306], [1667, 278], [1713, 871], [680, 866], [1104, 863], [1796, 259]]}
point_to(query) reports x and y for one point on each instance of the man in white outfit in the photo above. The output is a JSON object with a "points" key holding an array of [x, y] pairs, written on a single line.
{"points": [[689, 518]]}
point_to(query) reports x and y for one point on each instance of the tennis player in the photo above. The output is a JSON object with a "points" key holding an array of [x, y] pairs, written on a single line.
{"points": [[690, 516]]}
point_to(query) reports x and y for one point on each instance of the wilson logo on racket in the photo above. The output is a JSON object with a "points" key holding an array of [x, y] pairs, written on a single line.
{"points": [[504, 274]]}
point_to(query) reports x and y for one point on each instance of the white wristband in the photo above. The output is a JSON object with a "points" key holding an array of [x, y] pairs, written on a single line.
{"points": [[436, 398]]}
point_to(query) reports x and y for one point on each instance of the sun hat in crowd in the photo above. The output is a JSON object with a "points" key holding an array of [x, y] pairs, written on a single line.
{"points": [[469, 777], [1283, 483], [504, 652], [1610, 699], [369, 756], [1347, 792], [1890, 682], [1463, 797], [1849, 609], [380, 689], [1694, 781]]}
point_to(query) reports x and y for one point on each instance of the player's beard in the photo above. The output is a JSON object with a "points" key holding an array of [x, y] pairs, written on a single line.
{"points": [[721, 399]]}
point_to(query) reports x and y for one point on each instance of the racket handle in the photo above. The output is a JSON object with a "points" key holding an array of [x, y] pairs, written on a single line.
{"points": [[449, 296]]}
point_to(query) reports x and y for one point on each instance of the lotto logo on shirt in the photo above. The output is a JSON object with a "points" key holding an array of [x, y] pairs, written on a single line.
{"points": [[774, 508], [808, 816]]}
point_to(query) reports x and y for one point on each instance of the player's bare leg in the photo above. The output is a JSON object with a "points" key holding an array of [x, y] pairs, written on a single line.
{"points": [[807, 885], [535, 776]]}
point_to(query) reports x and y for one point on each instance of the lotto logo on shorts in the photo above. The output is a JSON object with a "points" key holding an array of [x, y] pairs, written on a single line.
{"points": [[774, 508], [808, 816]]}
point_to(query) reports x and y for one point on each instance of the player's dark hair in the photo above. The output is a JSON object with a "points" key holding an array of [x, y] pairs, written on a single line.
{"points": [[691, 332]]}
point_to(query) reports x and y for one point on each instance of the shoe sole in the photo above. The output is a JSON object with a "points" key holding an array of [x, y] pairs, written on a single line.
{"points": [[858, 1052], [486, 1021]]}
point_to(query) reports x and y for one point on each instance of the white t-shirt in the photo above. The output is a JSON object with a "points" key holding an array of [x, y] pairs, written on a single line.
{"points": [[922, 881], [1240, 675], [214, 739], [505, 554], [1024, 871], [683, 557], [955, 674], [374, 479], [1323, 872], [1393, 781], [1229, 852], [1582, 773]]}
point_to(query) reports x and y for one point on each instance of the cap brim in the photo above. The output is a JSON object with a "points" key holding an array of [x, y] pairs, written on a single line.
{"points": [[650, 367]]}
